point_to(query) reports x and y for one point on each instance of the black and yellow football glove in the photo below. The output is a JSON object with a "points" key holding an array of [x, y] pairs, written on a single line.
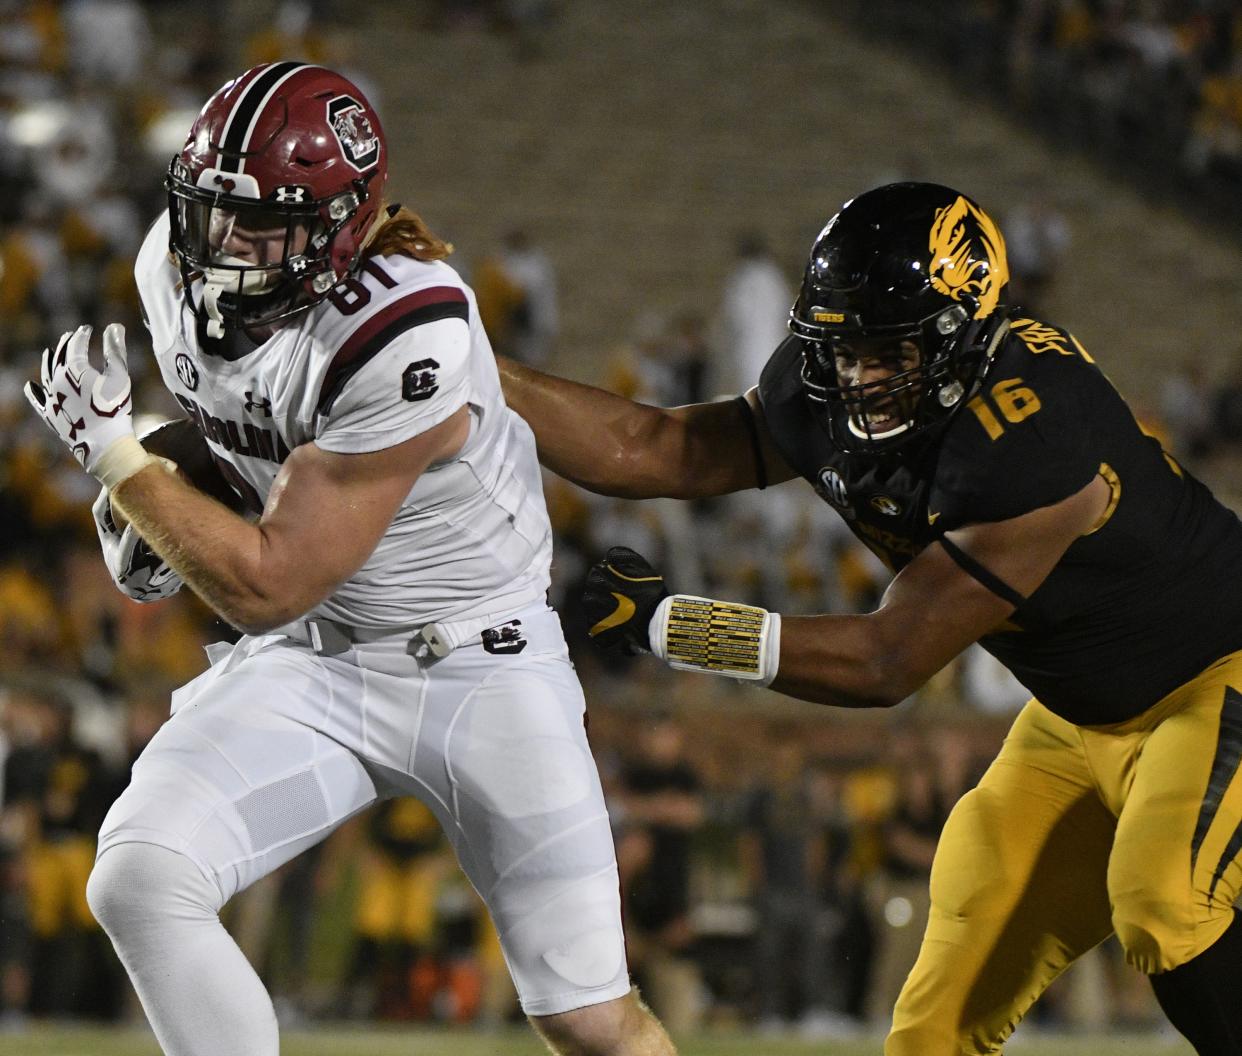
{"points": [[621, 595]]}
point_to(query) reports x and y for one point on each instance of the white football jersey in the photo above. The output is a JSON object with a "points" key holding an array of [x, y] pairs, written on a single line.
{"points": [[387, 355]]}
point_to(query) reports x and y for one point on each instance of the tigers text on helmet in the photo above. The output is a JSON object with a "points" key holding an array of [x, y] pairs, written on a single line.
{"points": [[912, 276], [274, 193]]}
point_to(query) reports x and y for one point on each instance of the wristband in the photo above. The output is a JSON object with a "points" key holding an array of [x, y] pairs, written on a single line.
{"points": [[120, 460], [718, 637]]}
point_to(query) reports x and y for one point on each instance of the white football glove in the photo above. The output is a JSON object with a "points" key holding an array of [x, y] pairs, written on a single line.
{"points": [[137, 570], [90, 410]]}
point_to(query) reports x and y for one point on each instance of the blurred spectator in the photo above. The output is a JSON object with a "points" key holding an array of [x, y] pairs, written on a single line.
{"points": [[754, 310], [109, 40], [987, 685], [292, 34], [524, 22], [538, 320], [516, 292], [1037, 236], [662, 807], [688, 361], [60, 789], [1214, 146], [785, 856], [1186, 409], [1227, 408], [404, 862], [898, 891]]}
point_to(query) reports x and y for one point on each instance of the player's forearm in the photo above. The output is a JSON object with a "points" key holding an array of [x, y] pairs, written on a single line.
{"points": [[843, 661], [604, 442], [222, 557]]}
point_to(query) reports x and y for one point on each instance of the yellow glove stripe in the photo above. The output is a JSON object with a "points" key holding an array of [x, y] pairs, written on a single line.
{"points": [[621, 614], [633, 579]]}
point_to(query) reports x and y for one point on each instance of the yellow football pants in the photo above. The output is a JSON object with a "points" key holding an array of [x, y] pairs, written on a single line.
{"points": [[1074, 833], [397, 900], [57, 875]]}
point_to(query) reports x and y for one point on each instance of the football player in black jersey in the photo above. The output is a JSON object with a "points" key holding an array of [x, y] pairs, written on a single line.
{"points": [[988, 461]]}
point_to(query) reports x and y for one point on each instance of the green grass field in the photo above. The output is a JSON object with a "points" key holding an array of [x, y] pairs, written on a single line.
{"points": [[47, 1041]]}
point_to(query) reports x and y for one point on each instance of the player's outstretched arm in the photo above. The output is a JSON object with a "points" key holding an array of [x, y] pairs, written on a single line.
{"points": [[324, 516], [615, 446], [932, 611]]}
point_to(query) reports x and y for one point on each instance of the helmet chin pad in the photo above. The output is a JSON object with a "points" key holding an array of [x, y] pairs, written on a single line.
{"points": [[869, 436], [237, 278]]}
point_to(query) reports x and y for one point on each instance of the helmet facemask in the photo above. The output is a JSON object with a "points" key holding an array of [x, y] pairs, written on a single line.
{"points": [[247, 262], [918, 376]]}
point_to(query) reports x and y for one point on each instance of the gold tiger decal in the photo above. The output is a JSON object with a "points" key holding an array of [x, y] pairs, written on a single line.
{"points": [[967, 255]]}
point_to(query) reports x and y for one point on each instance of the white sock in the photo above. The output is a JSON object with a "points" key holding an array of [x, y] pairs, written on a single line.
{"points": [[198, 990]]}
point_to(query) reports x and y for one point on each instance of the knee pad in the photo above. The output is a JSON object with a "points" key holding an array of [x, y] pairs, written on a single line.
{"points": [[139, 885]]}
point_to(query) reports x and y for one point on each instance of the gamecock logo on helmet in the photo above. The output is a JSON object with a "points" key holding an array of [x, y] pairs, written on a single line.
{"points": [[352, 128], [967, 255]]}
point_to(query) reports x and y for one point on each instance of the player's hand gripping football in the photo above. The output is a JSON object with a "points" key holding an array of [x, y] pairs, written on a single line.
{"points": [[89, 409], [621, 595]]}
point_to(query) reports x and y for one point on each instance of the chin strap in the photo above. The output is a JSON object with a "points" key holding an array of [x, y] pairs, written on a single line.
{"points": [[247, 281]]}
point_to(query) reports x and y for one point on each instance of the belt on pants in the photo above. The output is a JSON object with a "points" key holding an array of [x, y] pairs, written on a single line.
{"points": [[427, 643]]}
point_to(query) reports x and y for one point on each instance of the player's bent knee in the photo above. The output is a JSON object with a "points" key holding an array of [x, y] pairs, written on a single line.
{"points": [[1152, 933], [135, 884]]}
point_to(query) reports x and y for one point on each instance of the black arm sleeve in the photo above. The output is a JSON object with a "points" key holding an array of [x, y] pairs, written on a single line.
{"points": [[977, 572]]}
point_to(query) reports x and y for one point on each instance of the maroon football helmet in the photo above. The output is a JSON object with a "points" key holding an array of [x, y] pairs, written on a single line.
{"points": [[274, 193]]}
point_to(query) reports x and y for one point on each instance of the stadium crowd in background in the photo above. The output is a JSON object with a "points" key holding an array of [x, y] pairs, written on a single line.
{"points": [[724, 849], [1156, 84]]}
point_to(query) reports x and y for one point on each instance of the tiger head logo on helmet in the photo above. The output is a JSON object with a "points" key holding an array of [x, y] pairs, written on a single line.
{"points": [[967, 256]]}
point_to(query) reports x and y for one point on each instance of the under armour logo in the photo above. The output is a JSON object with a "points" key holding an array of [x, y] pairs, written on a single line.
{"points": [[264, 405], [58, 409], [291, 194]]}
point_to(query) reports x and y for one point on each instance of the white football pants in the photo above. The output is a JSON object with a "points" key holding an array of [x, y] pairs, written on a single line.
{"points": [[274, 746]]}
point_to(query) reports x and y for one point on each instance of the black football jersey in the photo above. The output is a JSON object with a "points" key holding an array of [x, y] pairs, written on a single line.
{"points": [[1132, 610]]}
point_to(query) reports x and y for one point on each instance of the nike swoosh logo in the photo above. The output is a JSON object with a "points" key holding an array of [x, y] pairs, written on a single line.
{"points": [[621, 614], [932, 518]]}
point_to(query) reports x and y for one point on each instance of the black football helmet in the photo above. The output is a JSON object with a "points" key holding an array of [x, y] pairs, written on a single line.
{"points": [[904, 264]]}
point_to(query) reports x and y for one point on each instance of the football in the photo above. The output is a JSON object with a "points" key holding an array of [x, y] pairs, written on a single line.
{"points": [[180, 441]]}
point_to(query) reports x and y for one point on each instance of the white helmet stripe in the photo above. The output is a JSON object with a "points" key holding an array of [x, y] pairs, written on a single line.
{"points": [[246, 113]]}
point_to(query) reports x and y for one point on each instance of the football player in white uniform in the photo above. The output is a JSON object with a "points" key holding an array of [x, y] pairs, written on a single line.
{"points": [[391, 585]]}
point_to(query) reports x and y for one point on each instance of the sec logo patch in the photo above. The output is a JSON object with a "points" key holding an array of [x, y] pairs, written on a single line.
{"points": [[832, 488], [187, 372]]}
